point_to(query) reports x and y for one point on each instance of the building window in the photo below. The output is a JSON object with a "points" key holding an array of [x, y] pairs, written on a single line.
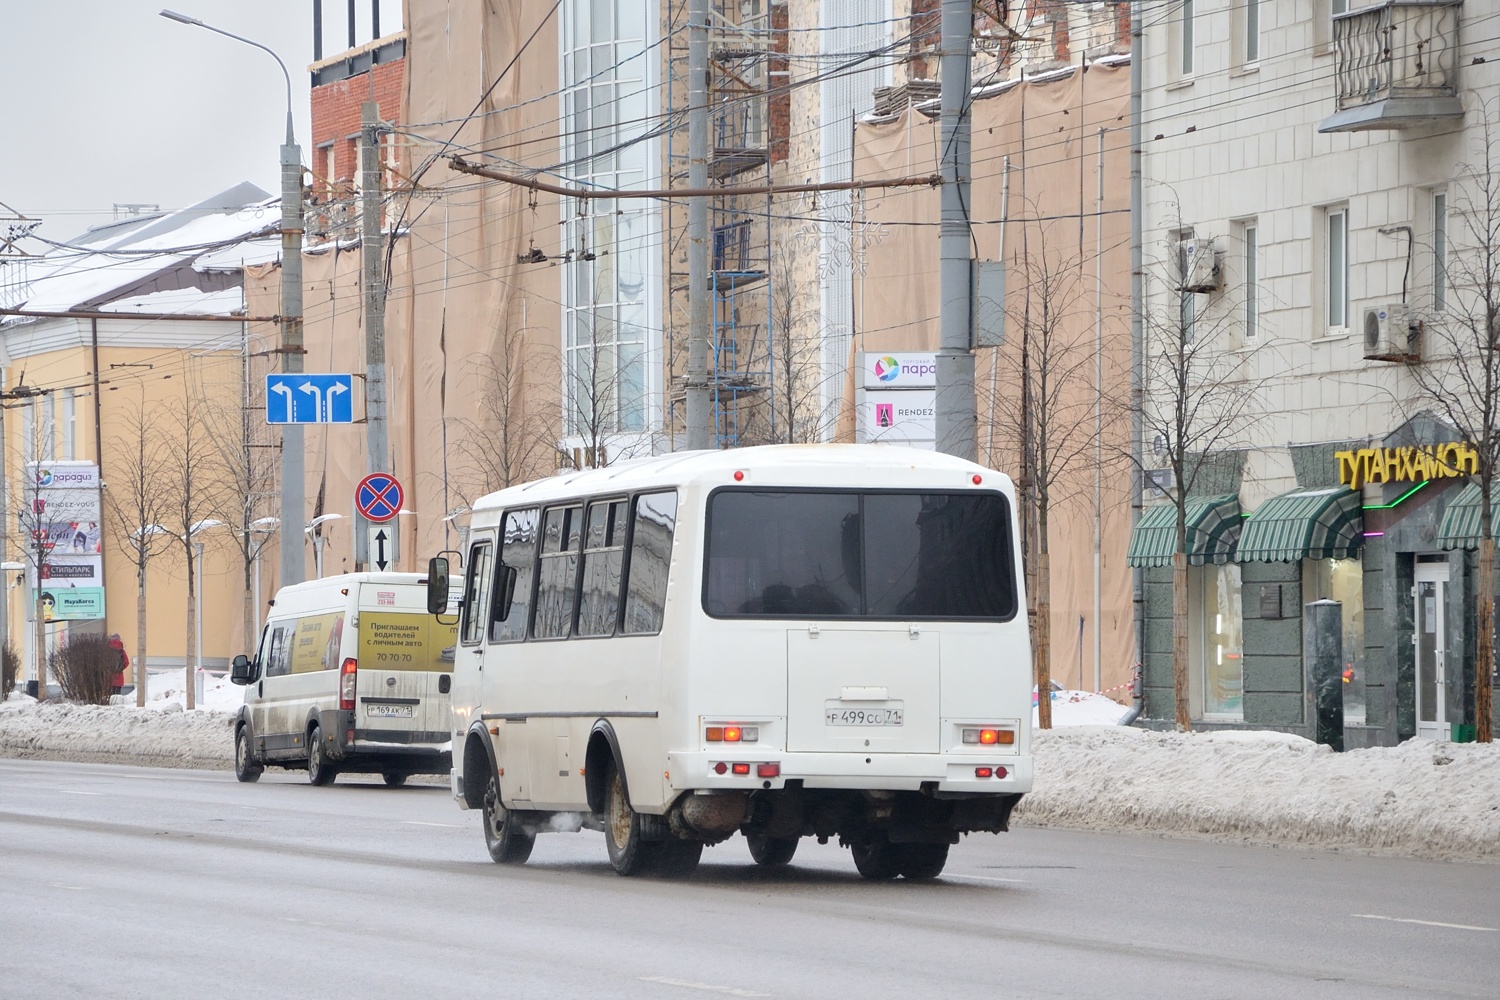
{"points": [[1218, 675], [1185, 39], [1343, 580], [1187, 302], [1440, 250], [70, 425], [1252, 31], [330, 166], [1336, 278], [1252, 282], [49, 428]]}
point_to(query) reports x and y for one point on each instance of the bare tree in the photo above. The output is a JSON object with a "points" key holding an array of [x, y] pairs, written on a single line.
{"points": [[134, 506], [193, 492], [1197, 398], [1046, 407], [600, 385], [513, 436], [1461, 379], [795, 357]]}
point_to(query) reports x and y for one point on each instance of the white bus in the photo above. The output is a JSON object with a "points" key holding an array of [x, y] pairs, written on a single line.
{"points": [[784, 641]]}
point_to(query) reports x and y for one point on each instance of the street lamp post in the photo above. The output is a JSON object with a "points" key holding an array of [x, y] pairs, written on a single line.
{"points": [[263, 526], [293, 563], [193, 529], [311, 528]]}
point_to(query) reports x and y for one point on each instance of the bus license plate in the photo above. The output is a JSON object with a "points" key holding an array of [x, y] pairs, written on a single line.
{"points": [[863, 716], [388, 711]]}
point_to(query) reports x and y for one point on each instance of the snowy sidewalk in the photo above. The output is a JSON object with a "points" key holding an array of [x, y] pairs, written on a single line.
{"points": [[1421, 799]]}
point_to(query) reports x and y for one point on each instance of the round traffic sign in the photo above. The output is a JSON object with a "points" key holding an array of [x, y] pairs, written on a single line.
{"points": [[379, 497]]}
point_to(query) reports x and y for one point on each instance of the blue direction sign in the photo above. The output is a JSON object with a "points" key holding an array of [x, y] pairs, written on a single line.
{"points": [[300, 398]]}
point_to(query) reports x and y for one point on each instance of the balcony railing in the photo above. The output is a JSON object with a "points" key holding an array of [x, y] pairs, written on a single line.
{"points": [[1397, 65]]}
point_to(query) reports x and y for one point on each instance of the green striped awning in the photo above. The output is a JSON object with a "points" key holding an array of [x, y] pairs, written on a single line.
{"points": [[1460, 527], [1213, 527], [1305, 524]]}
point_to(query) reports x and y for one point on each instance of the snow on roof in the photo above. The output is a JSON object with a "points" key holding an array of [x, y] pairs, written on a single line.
{"points": [[155, 254]]}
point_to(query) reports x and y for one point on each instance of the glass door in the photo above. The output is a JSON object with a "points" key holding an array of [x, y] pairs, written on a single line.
{"points": [[1431, 591]]}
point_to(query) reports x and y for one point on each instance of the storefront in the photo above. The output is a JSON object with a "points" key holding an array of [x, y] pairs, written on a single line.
{"points": [[1387, 531]]}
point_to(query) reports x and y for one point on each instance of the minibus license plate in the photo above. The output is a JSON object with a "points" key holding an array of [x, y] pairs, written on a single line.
{"points": [[863, 716], [388, 711]]}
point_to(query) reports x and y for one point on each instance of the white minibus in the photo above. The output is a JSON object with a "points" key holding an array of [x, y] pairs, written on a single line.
{"points": [[782, 641], [353, 675]]}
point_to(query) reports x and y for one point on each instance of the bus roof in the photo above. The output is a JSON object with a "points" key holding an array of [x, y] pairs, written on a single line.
{"points": [[868, 465]]}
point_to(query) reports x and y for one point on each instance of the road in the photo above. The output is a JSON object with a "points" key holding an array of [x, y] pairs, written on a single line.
{"points": [[137, 882]]}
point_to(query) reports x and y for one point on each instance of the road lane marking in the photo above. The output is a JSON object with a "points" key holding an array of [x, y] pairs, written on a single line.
{"points": [[446, 826], [299, 920], [987, 878], [63, 885], [686, 984], [1424, 923], [74, 791]]}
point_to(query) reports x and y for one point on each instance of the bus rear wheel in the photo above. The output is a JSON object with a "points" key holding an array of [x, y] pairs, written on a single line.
{"points": [[768, 850], [678, 858], [320, 770], [507, 842], [629, 853], [876, 857]]}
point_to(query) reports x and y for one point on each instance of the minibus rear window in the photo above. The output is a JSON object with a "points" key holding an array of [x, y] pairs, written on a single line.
{"points": [[810, 554]]}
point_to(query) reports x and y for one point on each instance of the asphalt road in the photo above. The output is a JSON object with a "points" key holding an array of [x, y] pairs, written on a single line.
{"points": [[166, 884]]}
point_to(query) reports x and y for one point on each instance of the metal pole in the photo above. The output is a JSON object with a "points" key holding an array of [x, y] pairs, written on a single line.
{"points": [[372, 252], [957, 430], [1137, 328], [198, 588], [293, 501], [5, 513], [1098, 608], [699, 418]]}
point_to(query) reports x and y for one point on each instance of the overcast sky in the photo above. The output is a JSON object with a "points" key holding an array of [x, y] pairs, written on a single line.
{"points": [[105, 102]]}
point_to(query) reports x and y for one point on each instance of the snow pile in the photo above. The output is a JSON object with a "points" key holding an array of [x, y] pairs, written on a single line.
{"points": [[1421, 799], [165, 736], [1081, 708]]}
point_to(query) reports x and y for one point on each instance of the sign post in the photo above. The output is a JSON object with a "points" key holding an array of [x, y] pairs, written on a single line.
{"points": [[378, 498]]}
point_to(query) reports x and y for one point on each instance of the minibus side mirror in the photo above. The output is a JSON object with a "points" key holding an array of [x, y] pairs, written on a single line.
{"points": [[240, 670], [437, 585], [505, 593]]}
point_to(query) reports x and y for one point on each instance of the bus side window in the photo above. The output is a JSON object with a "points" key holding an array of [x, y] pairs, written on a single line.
{"points": [[650, 557], [476, 590], [557, 573], [518, 551], [603, 559]]}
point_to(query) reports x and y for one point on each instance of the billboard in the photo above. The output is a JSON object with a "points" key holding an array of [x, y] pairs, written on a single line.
{"points": [[60, 513]]}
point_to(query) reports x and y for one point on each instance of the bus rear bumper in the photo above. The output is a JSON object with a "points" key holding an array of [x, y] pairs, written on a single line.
{"points": [[946, 774]]}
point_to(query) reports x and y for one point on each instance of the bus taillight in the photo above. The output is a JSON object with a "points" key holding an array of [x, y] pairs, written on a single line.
{"points": [[347, 678], [990, 736]]}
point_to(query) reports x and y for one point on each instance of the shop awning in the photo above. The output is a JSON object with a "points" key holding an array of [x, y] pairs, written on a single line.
{"points": [[1304, 524], [1460, 527], [1213, 527]]}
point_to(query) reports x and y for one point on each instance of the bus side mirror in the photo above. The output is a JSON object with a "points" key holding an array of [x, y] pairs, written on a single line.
{"points": [[240, 670], [505, 593], [437, 585]]}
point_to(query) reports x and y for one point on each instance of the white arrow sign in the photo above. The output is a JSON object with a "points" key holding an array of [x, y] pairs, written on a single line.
{"points": [[381, 558]]}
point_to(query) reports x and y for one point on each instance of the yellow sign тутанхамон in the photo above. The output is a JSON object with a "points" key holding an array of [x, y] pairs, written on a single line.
{"points": [[1406, 465]]}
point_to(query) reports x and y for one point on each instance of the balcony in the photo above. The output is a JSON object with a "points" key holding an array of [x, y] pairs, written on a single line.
{"points": [[1397, 65]]}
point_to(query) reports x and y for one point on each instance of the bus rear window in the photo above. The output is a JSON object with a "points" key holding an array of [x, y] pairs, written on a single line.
{"points": [[880, 555]]}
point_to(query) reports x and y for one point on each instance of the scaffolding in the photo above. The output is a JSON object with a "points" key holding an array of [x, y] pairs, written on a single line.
{"points": [[741, 47]]}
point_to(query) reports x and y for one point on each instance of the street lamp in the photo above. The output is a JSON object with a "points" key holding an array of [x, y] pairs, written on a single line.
{"points": [[193, 530], [260, 526], [317, 536], [293, 565]]}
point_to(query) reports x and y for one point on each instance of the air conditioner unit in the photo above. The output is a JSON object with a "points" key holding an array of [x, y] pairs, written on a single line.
{"points": [[1160, 481], [1390, 334], [1201, 266]]}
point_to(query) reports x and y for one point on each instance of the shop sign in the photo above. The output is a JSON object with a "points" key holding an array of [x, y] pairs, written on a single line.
{"points": [[1406, 465]]}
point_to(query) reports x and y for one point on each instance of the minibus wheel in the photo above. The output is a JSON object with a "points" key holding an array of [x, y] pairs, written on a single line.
{"points": [[320, 770], [629, 854], [394, 779], [920, 862], [678, 858], [245, 767], [507, 842], [876, 857], [768, 850]]}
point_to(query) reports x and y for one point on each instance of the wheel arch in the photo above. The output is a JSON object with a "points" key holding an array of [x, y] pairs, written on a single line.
{"points": [[603, 751], [478, 753]]}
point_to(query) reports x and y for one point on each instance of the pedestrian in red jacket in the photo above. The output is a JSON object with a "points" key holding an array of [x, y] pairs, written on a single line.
{"points": [[118, 645]]}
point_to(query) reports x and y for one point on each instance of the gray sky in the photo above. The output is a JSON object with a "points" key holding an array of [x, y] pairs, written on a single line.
{"points": [[105, 102]]}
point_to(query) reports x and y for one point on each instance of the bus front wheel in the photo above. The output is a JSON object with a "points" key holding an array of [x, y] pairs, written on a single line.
{"points": [[876, 857], [507, 842], [629, 854]]}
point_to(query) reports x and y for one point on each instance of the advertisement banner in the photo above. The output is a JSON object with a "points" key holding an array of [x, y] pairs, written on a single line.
{"points": [[906, 417], [398, 640], [61, 570], [910, 370], [70, 604]]}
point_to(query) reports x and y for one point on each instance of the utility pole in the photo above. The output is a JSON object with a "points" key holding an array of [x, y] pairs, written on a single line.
{"points": [[957, 421], [293, 500], [699, 418], [372, 256]]}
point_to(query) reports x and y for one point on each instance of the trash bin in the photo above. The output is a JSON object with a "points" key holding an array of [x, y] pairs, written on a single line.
{"points": [[1461, 732]]}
